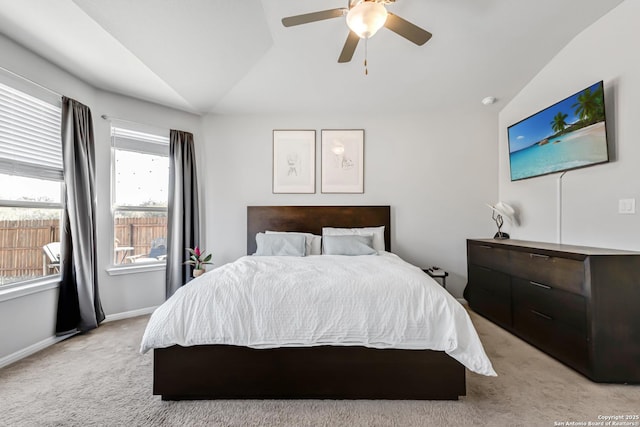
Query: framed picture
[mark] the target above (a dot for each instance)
(343, 161)
(294, 161)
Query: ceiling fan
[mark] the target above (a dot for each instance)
(364, 19)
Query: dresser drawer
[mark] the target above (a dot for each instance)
(563, 273)
(553, 337)
(488, 256)
(489, 293)
(493, 306)
(496, 282)
(561, 306)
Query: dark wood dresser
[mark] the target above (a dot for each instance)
(581, 305)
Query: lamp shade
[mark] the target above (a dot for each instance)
(366, 18)
(504, 210)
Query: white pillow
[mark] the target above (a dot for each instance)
(279, 245)
(349, 244)
(376, 232)
(313, 242)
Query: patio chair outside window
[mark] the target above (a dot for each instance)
(157, 252)
(51, 258)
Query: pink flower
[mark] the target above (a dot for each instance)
(198, 258)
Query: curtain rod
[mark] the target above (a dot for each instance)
(112, 119)
(31, 81)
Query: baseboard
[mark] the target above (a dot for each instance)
(129, 314)
(47, 342)
(28, 351)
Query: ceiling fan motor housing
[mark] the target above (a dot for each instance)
(366, 18)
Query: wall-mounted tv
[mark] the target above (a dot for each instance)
(569, 134)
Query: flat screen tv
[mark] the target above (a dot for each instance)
(570, 134)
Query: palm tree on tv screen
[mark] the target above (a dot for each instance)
(589, 106)
(559, 122)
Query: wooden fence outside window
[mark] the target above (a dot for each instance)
(22, 241)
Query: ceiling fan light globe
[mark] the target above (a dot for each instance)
(366, 18)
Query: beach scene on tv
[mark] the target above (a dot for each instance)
(568, 135)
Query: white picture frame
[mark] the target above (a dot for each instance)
(294, 161)
(342, 153)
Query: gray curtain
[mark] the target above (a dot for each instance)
(79, 307)
(183, 216)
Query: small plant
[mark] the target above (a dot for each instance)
(198, 258)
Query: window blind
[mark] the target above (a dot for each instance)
(127, 139)
(30, 140)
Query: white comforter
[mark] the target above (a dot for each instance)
(265, 302)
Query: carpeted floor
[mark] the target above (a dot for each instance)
(100, 379)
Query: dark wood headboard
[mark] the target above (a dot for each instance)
(311, 219)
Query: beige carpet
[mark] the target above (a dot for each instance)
(100, 379)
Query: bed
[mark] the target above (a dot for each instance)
(222, 371)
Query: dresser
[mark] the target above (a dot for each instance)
(580, 305)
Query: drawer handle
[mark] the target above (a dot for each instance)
(540, 285)
(485, 246)
(539, 256)
(484, 268)
(544, 316)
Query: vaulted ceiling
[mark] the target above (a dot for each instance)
(235, 56)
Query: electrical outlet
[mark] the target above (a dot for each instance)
(627, 206)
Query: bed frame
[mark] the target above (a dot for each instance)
(324, 372)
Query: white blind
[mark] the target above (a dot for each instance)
(142, 142)
(30, 141)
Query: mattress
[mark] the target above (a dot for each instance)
(378, 301)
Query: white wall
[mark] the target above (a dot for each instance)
(28, 320)
(607, 51)
(436, 169)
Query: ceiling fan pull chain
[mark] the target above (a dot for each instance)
(366, 70)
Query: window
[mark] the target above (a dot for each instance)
(31, 189)
(140, 182)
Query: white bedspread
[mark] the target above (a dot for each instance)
(265, 302)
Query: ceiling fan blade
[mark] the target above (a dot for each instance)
(349, 47)
(306, 18)
(407, 30)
